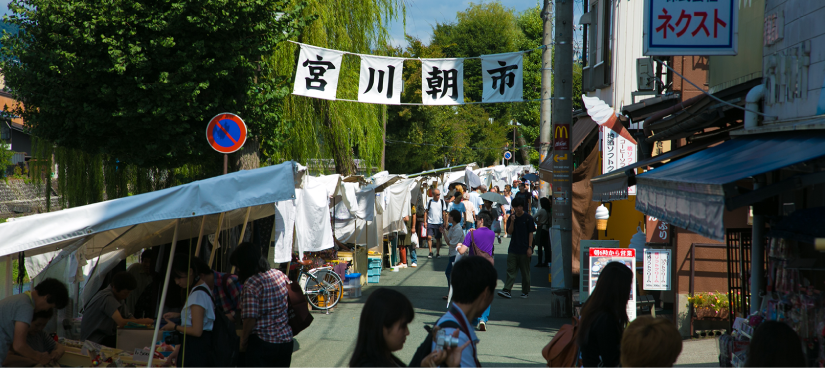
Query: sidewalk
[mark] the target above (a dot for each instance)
(699, 353)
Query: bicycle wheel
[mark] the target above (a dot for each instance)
(324, 289)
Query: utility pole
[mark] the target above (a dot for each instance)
(561, 300)
(546, 128)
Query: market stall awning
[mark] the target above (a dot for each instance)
(613, 185)
(692, 193)
(146, 220)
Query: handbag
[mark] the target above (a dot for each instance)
(297, 309)
(478, 251)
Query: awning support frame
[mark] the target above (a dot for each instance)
(757, 195)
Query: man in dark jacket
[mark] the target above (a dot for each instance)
(521, 227)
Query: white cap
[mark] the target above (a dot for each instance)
(602, 213)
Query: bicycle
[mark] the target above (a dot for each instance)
(322, 287)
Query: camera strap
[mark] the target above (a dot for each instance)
(461, 318)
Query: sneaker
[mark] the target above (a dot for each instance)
(430, 256)
(482, 326)
(505, 294)
(499, 239)
(414, 265)
(437, 256)
(524, 296)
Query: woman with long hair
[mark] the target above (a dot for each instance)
(604, 317)
(198, 316)
(383, 329)
(775, 344)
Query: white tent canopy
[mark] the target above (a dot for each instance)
(131, 223)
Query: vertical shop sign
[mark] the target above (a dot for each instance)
(617, 152)
(658, 231)
(600, 257)
(674, 28)
(657, 265)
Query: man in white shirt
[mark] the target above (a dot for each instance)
(436, 212)
(475, 197)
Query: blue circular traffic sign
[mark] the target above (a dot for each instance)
(508, 155)
(226, 132)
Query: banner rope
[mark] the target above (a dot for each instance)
(542, 47)
(440, 146)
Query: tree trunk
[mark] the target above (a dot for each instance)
(525, 153)
(248, 157)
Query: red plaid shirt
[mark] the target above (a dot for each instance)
(265, 299)
(227, 290)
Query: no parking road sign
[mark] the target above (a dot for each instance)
(226, 132)
(508, 155)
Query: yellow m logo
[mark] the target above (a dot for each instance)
(561, 131)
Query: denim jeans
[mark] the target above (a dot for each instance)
(484, 316)
(412, 257)
(449, 270)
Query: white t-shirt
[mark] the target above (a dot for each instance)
(198, 297)
(476, 200)
(435, 212)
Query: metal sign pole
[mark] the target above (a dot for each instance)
(561, 232)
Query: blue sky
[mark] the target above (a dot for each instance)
(422, 15)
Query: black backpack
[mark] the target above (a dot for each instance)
(426, 346)
(226, 345)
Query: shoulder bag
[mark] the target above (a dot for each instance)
(478, 251)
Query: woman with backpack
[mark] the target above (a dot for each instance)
(198, 317)
(383, 329)
(604, 317)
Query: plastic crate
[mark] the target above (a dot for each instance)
(374, 272)
(373, 279)
(375, 262)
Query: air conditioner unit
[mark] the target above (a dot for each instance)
(645, 76)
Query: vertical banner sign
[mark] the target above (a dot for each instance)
(317, 72)
(658, 231)
(442, 81)
(503, 78)
(674, 28)
(600, 257)
(657, 269)
(617, 152)
(380, 80)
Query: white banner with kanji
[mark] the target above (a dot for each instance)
(503, 77)
(442, 81)
(675, 28)
(617, 152)
(317, 72)
(381, 80)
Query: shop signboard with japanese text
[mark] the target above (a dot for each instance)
(600, 257)
(690, 27)
(617, 152)
(657, 264)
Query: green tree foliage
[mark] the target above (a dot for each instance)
(435, 136)
(138, 80)
(341, 130)
(5, 157)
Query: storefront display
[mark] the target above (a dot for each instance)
(792, 298)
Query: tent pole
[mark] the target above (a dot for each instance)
(163, 294)
(200, 237)
(243, 231)
(245, 221)
(217, 244)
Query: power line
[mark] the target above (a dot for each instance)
(442, 146)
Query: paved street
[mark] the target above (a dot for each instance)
(517, 331)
